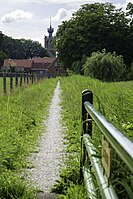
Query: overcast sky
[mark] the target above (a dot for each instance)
(30, 19)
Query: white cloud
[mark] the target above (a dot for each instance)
(47, 1)
(15, 16)
(123, 5)
(56, 1)
(65, 1)
(63, 14)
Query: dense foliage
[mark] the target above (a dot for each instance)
(95, 27)
(104, 66)
(19, 48)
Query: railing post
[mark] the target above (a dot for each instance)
(32, 78)
(24, 79)
(4, 83)
(27, 78)
(16, 75)
(86, 118)
(86, 126)
(20, 79)
(11, 82)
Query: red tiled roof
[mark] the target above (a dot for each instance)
(44, 60)
(40, 63)
(26, 63)
(43, 63)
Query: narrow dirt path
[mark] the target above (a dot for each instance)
(47, 161)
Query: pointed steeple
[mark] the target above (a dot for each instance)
(50, 29)
(48, 41)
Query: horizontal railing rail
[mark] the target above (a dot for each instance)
(122, 145)
(112, 137)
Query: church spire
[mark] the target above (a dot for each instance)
(50, 29)
(50, 21)
(48, 41)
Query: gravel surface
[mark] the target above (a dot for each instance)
(50, 152)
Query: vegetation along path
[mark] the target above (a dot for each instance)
(48, 159)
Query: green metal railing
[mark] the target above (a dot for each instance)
(112, 137)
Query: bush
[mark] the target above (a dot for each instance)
(104, 66)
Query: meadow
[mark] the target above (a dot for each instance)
(21, 121)
(114, 101)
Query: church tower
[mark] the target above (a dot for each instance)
(48, 41)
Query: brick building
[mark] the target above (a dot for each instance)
(47, 66)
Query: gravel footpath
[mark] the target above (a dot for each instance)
(50, 151)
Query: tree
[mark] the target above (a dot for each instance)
(22, 48)
(1, 40)
(2, 57)
(32, 49)
(77, 65)
(92, 28)
(104, 66)
(129, 12)
(66, 45)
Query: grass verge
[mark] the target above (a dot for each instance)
(21, 116)
(114, 100)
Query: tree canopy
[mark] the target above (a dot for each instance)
(95, 27)
(19, 48)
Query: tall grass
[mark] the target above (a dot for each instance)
(21, 116)
(114, 100)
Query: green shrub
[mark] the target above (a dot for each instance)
(104, 66)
